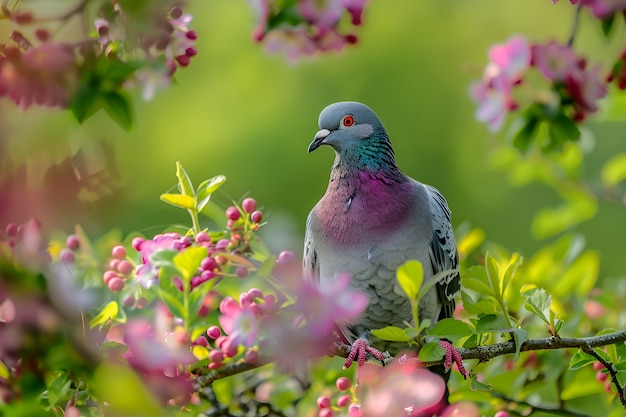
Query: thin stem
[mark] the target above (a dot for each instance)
(559, 411)
(570, 42)
(612, 371)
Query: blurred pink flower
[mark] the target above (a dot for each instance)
(324, 13)
(509, 62)
(45, 75)
(554, 61)
(604, 8)
(403, 388)
(293, 42)
(240, 323)
(586, 88)
(355, 8)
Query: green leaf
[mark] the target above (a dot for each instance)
(451, 329)
(391, 334)
(266, 267)
(492, 323)
(108, 312)
(124, 391)
(527, 128)
(410, 276)
(179, 200)
(118, 107)
(519, 336)
(614, 170)
(538, 302)
(580, 359)
(86, 101)
(206, 188)
(476, 385)
(516, 260)
(607, 24)
(483, 305)
(431, 352)
(188, 261)
(562, 129)
(493, 275)
(58, 389)
(184, 182)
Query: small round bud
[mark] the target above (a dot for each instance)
(108, 276)
(601, 376)
(343, 383)
(597, 366)
(214, 332)
(176, 12)
(208, 264)
(72, 242)
(251, 356)
(256, 216)
(216, 355)
(191, 51)
(203, 237)
(325, 412)
(501, 413)
(116, 284)
(67, 257)
(344, 400)
(125, 267)
(241, 271)
(137, 242)
(248, 205)
(201, 341)
(286, 256)
(183, 60)
(11, 229)
(192, 35)
(233, 213)
(129, 300)
(323, 401)
(118, 252)
(142, 302)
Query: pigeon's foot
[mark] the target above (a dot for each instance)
(359, 350)
(453, 355)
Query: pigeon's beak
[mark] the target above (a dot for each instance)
(318, 140)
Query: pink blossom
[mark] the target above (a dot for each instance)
(508, 64)
(554, 61)
(403, 388)
(293, 42)
(355, 8)
(261, 10)
(324, 14)
(45, 75)
(604, 8)
(240, 323)
(586, 88)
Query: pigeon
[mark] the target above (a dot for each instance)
(371, 220)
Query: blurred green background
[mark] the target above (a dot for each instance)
(241, 112)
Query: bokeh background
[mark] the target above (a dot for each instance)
(242, 112)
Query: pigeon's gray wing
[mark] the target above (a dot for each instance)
(310, 266)
(443, 253)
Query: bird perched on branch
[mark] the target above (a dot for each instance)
(372, 219)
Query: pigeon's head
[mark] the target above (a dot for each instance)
(346, 125)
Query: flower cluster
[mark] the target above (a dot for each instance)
(305, 27)
(572, 88)
(142, 46)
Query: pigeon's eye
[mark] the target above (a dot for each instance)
(347, 121)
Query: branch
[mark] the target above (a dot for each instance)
(570, 41)
(482, 353)
(609, 366)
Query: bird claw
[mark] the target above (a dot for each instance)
(453, 355)
(359, 350)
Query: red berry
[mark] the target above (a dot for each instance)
(597, 366)
(72, 242)
(116, 284)
(343, 383)
(344, 400)
(601, 376)
(607, 387)
(256, 216)
(125, 267)
(323, 401)
(118, 252)
(214, 332)
(248, 205)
